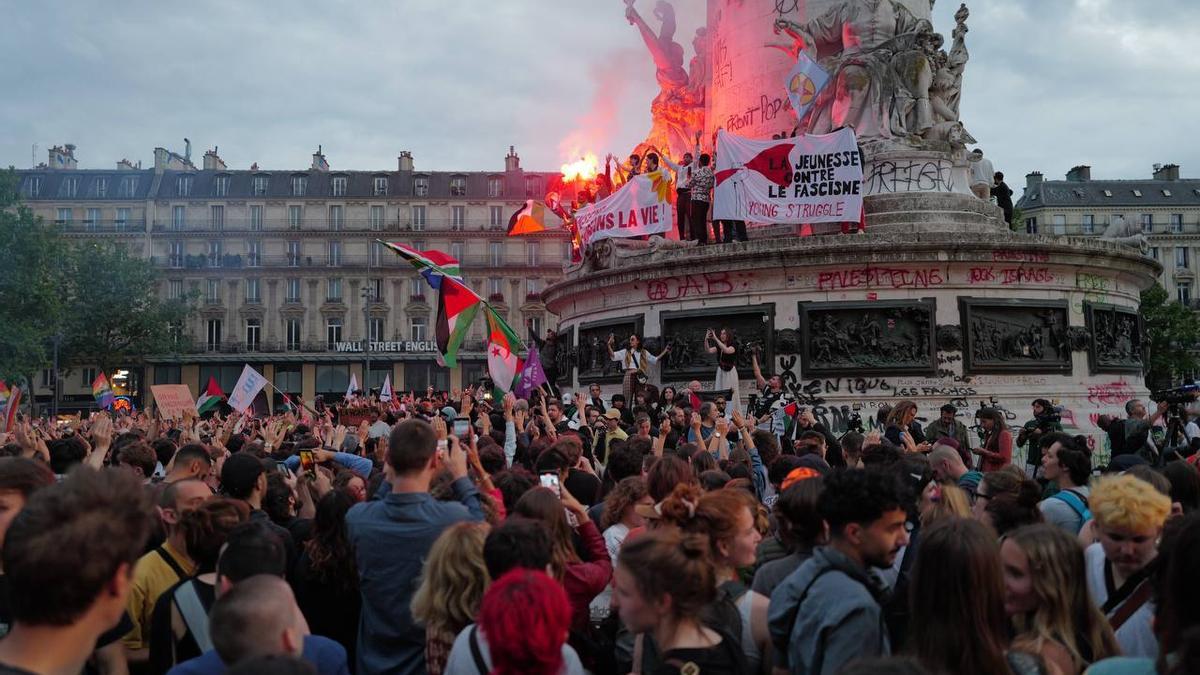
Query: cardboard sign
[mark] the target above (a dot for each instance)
(173, 400)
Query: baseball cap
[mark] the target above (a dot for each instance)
(239, 474)
(613, 414)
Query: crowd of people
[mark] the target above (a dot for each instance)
(639, 532)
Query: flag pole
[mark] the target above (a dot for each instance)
(289, 398)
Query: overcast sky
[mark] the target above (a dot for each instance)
(1050, 84)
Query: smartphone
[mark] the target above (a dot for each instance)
(307, 464)
(550, 481)
(462, 426)
(441, 449)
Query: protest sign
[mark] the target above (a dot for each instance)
(642, 206)
(248, 385)
(173, 400)
(807, 179)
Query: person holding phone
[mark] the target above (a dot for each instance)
(725, 347)
(635, 362)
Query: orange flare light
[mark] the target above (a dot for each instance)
(585, 168)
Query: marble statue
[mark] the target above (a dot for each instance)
(1121, 231)
(678, 110)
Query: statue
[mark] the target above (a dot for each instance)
(1120, 231)
(890, 78)
(678, 110)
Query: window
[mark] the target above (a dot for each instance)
(495, 286)
(1183, 293)
(335, 253)
(533, 249)
(292, 290)
(333, 290)
(533, 286)
(458, 187)
(253, 334)
(213, 291)
(1147, 220)
(221, 186)
(253, 290)
(416, 328)
(213, 342)
(68, 187)
(174, 289)
(293, 253)
(122, 221)
(178, 217)
(421, 186)
(1177, 222)
(214, 254)
(88, 376)
(495, 187)
(375, 329)
(533, 186)
(1166, 193)
(288, 379)
(337, 218)
(101, 187)
(418, 376)
(418, 218)
(1031, 226)
(1089, 223)
(376, 254)
(333, 332)
(164, 374)
(1181, 257)
(183, 186)
(496, 251)
(47, 377)
(337, 186)
(299, 186)
(295, 216)
(129, 187)
(375, 289)
(33, 186)
(418, 244)
(1154, 252)
(1060, 224)
(256, 218)
(175, 254)
(292, 334)
(418, 290)
(458, 216)
(258, 185)
(495, 216)
(1137, 193)
(216, 217)
(535, 324)
(456, 251)
(64, 216)
(380, 186)
(91, 219)
(333, 379)
(376, 218)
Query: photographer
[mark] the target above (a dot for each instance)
(1046, 420)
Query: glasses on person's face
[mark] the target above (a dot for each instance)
(720, 401)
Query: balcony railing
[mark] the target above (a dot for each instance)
(315, 225)
(101, 226)
(237, 261)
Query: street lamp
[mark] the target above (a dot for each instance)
(367, 295)
(57, 339)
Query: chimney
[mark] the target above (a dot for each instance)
(319, 162)
(161, 157)
(1080, 173)
(405, 161)
(1032, 180)
(213, 161)
(1166, 172)
(511, 161)
(63, 157)
(125, 165)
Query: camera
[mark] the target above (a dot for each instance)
(854, 423)
(1177, 396)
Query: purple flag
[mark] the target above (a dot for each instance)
(532, 376)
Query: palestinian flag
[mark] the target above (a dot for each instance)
(504, 361)
(457, 305)
(531, 218)
(433, 265)
(211, 398)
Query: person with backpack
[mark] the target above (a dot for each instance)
(828, 612)
(1067, 462)
(730, 519)
(1129, 515)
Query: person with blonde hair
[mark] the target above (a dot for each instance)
(902, 428)
(1129, 515)
(452, 586)
(943, 501)
(1046, 598)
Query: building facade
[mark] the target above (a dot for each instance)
(287, 269)
(1164, 207)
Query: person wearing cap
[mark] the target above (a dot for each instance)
(244, 477)
(612, 433)
(947, 426)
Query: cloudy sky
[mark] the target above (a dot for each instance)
(1051, 83)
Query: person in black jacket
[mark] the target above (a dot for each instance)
(1003, 195)
(547, 354)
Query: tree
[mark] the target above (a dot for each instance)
(1017, 224)
(31, 285)
(1172, 331)
(114, 314)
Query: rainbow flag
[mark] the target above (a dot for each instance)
(102, 392)
(10, 400)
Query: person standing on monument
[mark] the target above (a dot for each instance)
(982, 175)
(1003, 195)
(683, 194)
(635, 362)
(725, 347)
(701, 188)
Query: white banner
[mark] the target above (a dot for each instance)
(642, 206)
(247, 387)
(807, 179)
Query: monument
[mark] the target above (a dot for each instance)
(938, 302)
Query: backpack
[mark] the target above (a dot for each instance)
(1076, 501)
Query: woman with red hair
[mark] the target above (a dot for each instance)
(522, 630)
